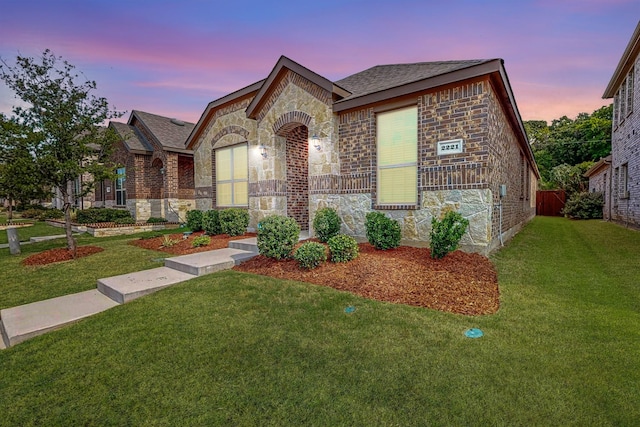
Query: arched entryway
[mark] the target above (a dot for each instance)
(297, 172)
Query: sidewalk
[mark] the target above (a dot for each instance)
(20, 323)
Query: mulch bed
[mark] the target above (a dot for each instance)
(59, 255)
(184, 246)
(459, 283)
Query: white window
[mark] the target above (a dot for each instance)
(232, 176)
(121, 191)
(624, 181)
(629, 100)
(397, 147)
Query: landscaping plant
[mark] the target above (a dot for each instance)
(326, 224)
(234, 221)
(446, 234)
(211, 222)
(584, 205)
(277, 235)
(96, 215)
(310, 255)
(167, 241)
(343, 248)
(194, 220)
(201, 241)
(382, 232)
(156, 220)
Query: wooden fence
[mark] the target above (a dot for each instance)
(550, 202)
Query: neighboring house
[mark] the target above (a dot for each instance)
(625, 139)
(79, 202)
(156, 176)
(410, 140)
(600, 181)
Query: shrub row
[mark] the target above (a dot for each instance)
(42, 214)
(232, 221)
(95, 215)
(584, 205)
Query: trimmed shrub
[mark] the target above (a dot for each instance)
(446, 234)
(234, 221)
(201, 241)
(310, 255)
(51, 214)
(96, 215)
(124, 220)
(211, 222)
(156, 220)
(382, 232)
(326, 224)
(277, 235)
(584, 205)
(31, 213)
(194, 220)
(343, 248)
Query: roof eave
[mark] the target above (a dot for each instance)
(626, 62)
(420, 85)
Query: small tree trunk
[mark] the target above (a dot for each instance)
(66, 207)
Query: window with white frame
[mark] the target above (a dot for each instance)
(624, 181)
(397, 150)
(629, 99)
(232, 176)
(121, 191)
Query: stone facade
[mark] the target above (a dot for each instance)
(318, 157)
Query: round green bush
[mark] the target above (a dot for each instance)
(201, 241)
(234, 221)
(382, 232)
(326, 224)
(277, 235)
(446, 234)
(310, 255)
(211, 222)
(343, 248)
(584, 205)
(194, 220)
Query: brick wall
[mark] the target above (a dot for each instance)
(625, 150)
(298, 176)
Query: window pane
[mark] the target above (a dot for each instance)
(240, 193)
(240, 167)
(397, 136)
(398, 186)
(223, 164)
(223, 195)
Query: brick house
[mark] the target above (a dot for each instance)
(600, 181)
(625, 139)
(156, 176)
(410, 140)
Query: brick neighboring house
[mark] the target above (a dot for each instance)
(600, 181)
(156, 179)
(625, 139)
(410, 140)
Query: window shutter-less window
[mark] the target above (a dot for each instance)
(232, 176)
(397, 144)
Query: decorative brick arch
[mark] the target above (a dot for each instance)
(289, 121)
(229, 130)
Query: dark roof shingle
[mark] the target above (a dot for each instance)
(131, 137)
(170, 133)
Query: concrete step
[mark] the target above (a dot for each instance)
(45, 238)
(203, 263)
(127, 287)
(30, 320)
(249, 244)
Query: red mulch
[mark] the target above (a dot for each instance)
(184, 246)
(459, 283)
(59, 255)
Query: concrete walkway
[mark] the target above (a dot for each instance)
(20, 323)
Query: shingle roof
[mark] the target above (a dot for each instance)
(383, 77)
(132, 138)
(170, 133)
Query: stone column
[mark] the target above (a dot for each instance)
(14, 241)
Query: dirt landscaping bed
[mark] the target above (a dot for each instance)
(184, 246)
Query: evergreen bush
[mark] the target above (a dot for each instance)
(97, 215)
(129, 220)
(382, 232)
(343, 248)
(194, 220)
(156, 220)
(277, 235)
(584, 205)
(50, 214)
(234, 221)
(446, 234)
(310, 255)
(201, 241)
(211, 222)
(326, 224)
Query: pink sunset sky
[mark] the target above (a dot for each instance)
(173, 57)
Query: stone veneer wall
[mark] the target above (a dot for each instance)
(625, 149)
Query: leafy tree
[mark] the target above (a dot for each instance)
(63, 119)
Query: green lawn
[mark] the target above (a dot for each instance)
(239, 349)
(40, 228)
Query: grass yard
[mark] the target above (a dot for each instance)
(40, 228)
(238, 349)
